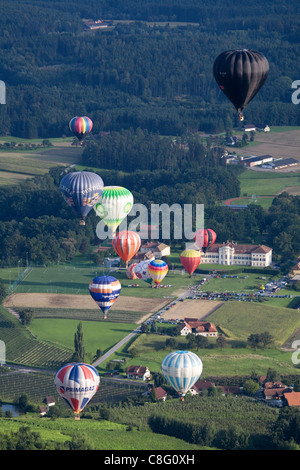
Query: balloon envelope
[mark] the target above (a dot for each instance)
(190, 260)
(126, 244)
(182, 369)
(77, 383)
(115, 204)
(158, 269)
(240, 74)
(81, 126)
(81, 190)
(105, 290)
(130, 271)
(142, 272)
(205, 238)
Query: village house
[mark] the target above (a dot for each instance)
(197, 327)
(292, 399)
(200, 386)
(235, 254)
(249, 128)
(161, 394)
(138, 373)
(158, 249)
(275, 390)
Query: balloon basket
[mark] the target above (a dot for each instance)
(77, 417)
(82, 222)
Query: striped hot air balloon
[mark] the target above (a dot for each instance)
(205, 238)
(81, 126)
(115, 204)
(77, 383)
(158, 270)
(182, 369)
(190, 260)
(130, 271)
(126, 244)
(105, 290)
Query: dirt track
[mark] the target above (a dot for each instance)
(134, 304)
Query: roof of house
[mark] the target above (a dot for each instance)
(193, 323)
(137, 370)
(239, 248)
(202, 385)
(292, 398)
(160, 393)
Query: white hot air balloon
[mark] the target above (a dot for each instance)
(182, 369)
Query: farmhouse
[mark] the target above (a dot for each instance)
(138, 372)
(234, 254)
(200, 386)
(197, 327)
(249, 127)
(95, 24)
(292, 399)
(158, 249)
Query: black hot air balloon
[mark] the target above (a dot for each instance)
(240, 74)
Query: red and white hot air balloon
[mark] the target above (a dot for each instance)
(77, 383)
(126, 244)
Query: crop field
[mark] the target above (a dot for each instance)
(279, 143)
(17, 165)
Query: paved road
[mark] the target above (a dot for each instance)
(116, 347)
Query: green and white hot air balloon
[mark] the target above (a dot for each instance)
(115, 204)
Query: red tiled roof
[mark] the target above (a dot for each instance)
(292, 398)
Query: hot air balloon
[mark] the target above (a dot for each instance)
(240, 74)
(205, 238)
(158, 269)
(142, 272)
(130, 271)
(182, 369)
(105, 290)
(126, 244)
(115, 204)
(81, 190)
(77, 383)
(190, 260)
(81, 126)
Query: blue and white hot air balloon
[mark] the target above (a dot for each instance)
(81, 190)
(182, 369)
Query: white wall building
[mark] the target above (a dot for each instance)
(239, 255)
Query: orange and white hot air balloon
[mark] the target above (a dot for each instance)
(126, 244)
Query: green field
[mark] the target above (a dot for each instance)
(266, 183)
(97, 335)
(101, 435)
(19, 164)
(68, 279)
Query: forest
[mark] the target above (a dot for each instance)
(137, 74)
